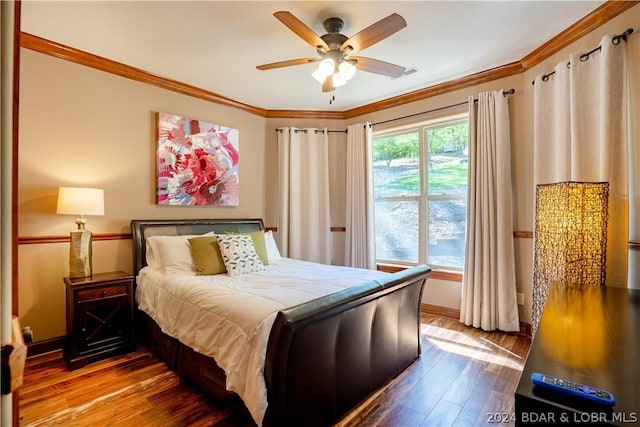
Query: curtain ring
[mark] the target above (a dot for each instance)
(584, 57)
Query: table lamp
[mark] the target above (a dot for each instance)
(81, 202)
(570, 237)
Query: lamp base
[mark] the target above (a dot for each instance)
(80, 254)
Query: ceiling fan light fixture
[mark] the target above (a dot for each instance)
(326, 66)
(347, 69)
(338, 80)
(319, 75)
(335, 68)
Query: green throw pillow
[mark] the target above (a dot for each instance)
(259, 245)
(206, 255)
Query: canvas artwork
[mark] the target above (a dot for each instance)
(197, 163)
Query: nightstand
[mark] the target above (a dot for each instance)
(99, 317)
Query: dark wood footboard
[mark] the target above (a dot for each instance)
(326, 356)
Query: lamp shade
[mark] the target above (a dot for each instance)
(326, 66)
(338, 80)
(80, 201)
(347, 69)
(570, 237)
(319, 75)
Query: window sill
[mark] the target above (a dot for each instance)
(441, 274)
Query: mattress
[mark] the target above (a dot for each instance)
(229, 318)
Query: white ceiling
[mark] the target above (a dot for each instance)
(216, 45)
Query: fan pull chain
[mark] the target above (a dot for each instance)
(332, 98)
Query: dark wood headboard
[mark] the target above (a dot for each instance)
(143, 228)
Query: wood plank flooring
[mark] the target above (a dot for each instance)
(463, 377)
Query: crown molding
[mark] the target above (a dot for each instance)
(304, 114)
(599, 16)
(439, 89)
(87, 59)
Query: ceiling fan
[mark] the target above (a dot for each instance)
(335, 49)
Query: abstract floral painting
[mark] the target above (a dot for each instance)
(197, 162)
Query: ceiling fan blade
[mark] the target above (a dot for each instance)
(288, 63)
(304, 32)
(327, 85)
(374, 33)
(378, 67)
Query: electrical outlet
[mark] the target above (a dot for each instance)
(520, 296)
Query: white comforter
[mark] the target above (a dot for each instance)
(229, 318)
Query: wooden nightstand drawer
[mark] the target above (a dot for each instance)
(99, 317)
(93, 294)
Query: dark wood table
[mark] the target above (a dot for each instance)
(590, 335)
(99, 317)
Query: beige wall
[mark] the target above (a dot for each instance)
(83, 127)
(79, 126)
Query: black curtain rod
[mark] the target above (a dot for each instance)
(435, 110)
(316, 130)
(504, 93)
(585, 56)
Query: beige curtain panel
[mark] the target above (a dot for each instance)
(489, 299)
(303, 195)
(360, 236)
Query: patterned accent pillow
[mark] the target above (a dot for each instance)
(239, 254)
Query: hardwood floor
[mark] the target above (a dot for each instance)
(463, 377)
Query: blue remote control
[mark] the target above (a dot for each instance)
(581, 391)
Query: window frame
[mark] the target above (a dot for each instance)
(423, 196)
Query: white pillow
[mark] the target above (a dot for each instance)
(273, 253)
(239, 254)
(171, 254)
(152, 259)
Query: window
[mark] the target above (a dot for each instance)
(420, 190)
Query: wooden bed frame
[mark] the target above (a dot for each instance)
(324, 357)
